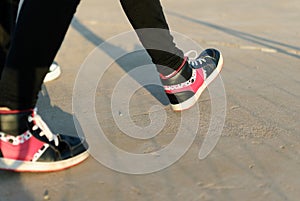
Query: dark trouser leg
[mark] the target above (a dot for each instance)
(8, 13)
(37, 36)
(157, 40)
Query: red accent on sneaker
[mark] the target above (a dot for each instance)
(15, 111)
(175, 72)
(23, 151)
(193, 84)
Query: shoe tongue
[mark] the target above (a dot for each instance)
(14, 122)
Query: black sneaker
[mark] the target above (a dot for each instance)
(28, 145)
(184, 86)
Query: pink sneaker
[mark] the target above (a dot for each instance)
(28, 145)
(184, 86)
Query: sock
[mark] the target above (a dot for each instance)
(14, 122)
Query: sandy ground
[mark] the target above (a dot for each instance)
(258, 154)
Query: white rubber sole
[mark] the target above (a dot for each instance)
(54, 72)
(191, 101)
(27, 166)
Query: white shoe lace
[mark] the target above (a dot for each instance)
(45, 131)
(193, 61)
(188, 54)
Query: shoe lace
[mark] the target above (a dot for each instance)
(45, 130)
(193, 61)
(197, 62)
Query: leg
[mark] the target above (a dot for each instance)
(8, 13)
(26, 142)
(183, 80)
(147, 18)
(33, 47)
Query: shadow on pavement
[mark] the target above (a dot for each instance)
(12, 187)
(242, 35)
(140, 58)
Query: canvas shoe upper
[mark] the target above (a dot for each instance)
(184, 86)
(27, 144)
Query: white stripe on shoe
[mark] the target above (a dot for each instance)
(28, 166)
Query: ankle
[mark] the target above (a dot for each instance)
(174, 72)
(14, 122)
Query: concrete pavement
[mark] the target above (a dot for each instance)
(257, 156)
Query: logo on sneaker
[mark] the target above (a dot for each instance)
(182, 85)
(15, 140)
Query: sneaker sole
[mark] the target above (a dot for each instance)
(28, 166)
(191, 101)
